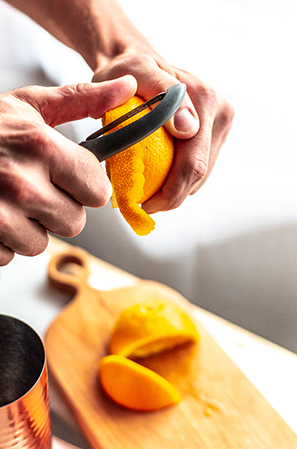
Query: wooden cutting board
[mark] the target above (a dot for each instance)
(220, 408)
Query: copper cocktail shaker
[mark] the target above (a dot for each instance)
(24, 401)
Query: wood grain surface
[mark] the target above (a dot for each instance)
(220, 408)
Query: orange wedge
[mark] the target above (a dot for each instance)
(134, 386)
(151, 327)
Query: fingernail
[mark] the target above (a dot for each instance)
(184, 121)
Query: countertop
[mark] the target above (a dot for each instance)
(26, 294)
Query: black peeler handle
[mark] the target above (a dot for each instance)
(110, 144)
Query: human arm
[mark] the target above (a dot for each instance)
(100, 31)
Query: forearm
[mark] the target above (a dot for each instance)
(98, 30)
(102, 34)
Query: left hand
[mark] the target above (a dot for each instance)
(200, 126)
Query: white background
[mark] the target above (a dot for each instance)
(231, 248)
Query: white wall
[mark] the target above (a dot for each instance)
(232, 247)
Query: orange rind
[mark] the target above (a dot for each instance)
(140, 171)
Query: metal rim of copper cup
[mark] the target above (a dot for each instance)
(24, 400)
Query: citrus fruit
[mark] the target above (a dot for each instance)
(134, 386)
(140, 171)
(151, 327)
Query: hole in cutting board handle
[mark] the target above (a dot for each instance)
(71, 264)
(68, 271)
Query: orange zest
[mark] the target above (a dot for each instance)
(139, 172)
(134, 386)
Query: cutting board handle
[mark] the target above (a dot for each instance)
(69, 270)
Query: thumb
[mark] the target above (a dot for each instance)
(184, 124)
(63, 104)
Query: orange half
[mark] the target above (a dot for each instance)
(151, 327)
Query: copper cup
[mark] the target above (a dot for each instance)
(24, 401)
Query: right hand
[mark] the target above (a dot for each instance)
(46, 179)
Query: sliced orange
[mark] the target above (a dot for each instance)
(137, 173)
(134, 386)
(151, 327)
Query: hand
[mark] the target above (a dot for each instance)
(200, 126)
(45, 179)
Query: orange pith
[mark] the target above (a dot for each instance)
(137, 173)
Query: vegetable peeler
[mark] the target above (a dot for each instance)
(105, 146)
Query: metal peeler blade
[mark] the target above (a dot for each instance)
(105, 146)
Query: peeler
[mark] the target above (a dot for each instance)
(105, 146)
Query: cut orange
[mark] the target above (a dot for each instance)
(151, 327)
(137, 173)
(134, 386)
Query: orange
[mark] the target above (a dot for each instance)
(135, 386)
(137, 173)
(151, 327)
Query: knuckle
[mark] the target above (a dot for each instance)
(81, 88)
(39, 137)
(198, 171)
(130, 63)
(40, 245)
(6, 255)
(72, 225)
(207, 94)
(101, 196)
(36, 245)
(32, 141)
(22, 192)
(136, 60)
(192, 175)
(11, 182)
(5, 223)
(226, 115)
(33, 242)
(170, 202)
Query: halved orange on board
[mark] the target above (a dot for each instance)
(134, 386)
(151, 327)
(142, 330)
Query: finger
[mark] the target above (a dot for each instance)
(221, 128)
(61, 162)
(76, 170)
(59, 105)
(191, 157)
(184, 124)
(18, 234)
(58, 213)
(152, 80)
(190, 166)
(32, 196)
(6, 255)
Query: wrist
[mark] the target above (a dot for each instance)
(109, 34)
(114, 36)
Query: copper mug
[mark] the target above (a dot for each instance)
(24, 400)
